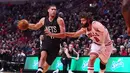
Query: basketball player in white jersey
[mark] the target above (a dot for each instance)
(102, 45)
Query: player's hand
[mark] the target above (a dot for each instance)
(23, 24)
(47, 32)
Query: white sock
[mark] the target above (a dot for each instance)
(90, 70)
(40, 69)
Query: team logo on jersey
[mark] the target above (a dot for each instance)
(92, 34)
(51, 29)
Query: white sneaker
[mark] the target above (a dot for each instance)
(56, 71)
(70, 71)
(2, 69)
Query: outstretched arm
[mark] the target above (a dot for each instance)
(76, 34)
(37, 25)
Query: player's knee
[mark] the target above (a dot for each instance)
(91, 61)
(102, 66)
(93, 57)
(43, 55)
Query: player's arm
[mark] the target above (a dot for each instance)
(37, 25)
(62, 29)
(76, 34)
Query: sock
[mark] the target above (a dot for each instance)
(90, 69)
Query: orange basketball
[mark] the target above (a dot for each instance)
(23, 24)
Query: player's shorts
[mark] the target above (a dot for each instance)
(103, 55)
(52, 51)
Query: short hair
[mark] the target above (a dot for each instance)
(51, 6)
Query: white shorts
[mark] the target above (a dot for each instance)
(104, 55)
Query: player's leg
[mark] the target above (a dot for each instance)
(52, 53)
(102, 67)
(45, 66)
(104, 56)
(42, 61)
(91, 62)
(93, 55)
(49, 60)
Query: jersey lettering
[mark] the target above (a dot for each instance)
(52, 29)
(94, 35)
(96, 39)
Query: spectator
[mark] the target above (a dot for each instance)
(123, 51)
(118, 44)
(128, 52)
(114, 52)
(106, 11)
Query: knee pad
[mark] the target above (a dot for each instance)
(102, 66)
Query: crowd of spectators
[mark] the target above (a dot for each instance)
(14, 41)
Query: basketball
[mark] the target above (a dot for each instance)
(23, 24)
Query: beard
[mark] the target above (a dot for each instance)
(85, 25)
